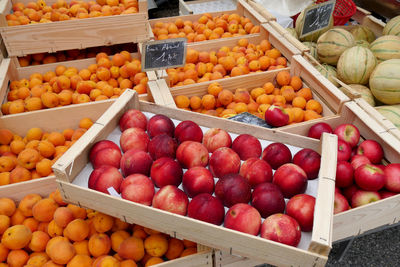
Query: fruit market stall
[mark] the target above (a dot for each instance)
(73, 172)
(36, 219)
(51, 26)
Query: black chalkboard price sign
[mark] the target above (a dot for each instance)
(317, 17)
(164, 54)
(250, 119)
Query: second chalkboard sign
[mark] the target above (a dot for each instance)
(164, 54)
(317, 17)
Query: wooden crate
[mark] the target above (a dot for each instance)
(371, 111)
(56, 119)
(266, 33)
(72, 34)
(243, 9)
(10, 72)
(384, 212)
(204, 256)
(362, 17)
(331, 98)
(69, 167)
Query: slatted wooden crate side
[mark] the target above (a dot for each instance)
(382, 120)
(58, 120)
(261, 10)
(73, 34)
(243, 9)
(9, 72)
(384, 212)
(266, 33)
(75, 159)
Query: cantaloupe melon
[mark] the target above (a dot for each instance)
(384, 82)
(313, 49)
(362, 43)
(293, 32)
(328, 72)
(391, 113)
(362, 90)
(386, 47)
(363, 33)
(355, 65)
(392, 27)
(312, 37)
(332, 44)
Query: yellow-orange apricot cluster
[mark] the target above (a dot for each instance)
(40, 12)
(106, 79)
(73, 54)
(206, 27)
(47, 232)
(244, 58)
(31, 156)
(286, 91)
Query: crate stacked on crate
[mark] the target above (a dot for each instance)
(364, 28)
(314, 99)
(40, 208)
(223, 58)
(73, 171)
(67, 27)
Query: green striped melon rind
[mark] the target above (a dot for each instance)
(292, 32)
(312, 37)
(332, 44)
(364, 92)
(384, 82)
(363, 33)
(392, 27)
(362, 43)
(328, 72)
(355, 65)
(386, 47)
(313, 49)
(392, 113)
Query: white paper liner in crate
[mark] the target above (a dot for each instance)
(312, 187)
(212, 6)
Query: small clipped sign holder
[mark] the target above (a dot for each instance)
(164, 54)
(317, 17)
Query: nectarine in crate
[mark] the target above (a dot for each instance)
(73, 170)
(369, 217)
(13, 75)
(47, 188)
(229, 57)
(74, 31)
(329, 97)
(244, 20)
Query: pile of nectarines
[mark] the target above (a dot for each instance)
(48, 232)
(106, 79)
(73, 54)
(241, 59)
(40, 12)
(286, 91)
(31, 157)
(206, 27)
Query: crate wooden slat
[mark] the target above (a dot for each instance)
(243, 9)
(266, 33)
(330, 97)
(48, 120)
(263, 11)
(72, 34)
(9, 72)
(44, 186)
(70, 165)
(384, 212)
